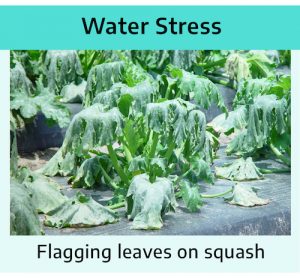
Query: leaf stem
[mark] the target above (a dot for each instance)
(217, 195)
(280, 156)
(126, 150)
(117, 205)
(115, 162)
(170, 149)
(274, 170)
(108, 178)
(154, 144)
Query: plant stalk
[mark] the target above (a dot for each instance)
(154, 144)
(108, 178)
(280, 156)
(117, 205)
(115, 162)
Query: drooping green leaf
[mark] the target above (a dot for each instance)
(183, 59)
(260, 65)
(101, 78)
(62, 67)
(19, 80)
(239, 170)
(198, 88)
(245, 197)
(147, 202)
(78, 212)
(200, 170)
(177, 118)
(43, 101)
(191, 196)
(23, 216)
(91, 128)
(266, 115)
(89, 174)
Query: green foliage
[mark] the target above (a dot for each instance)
(245, 197)
(23, 216)
(101, 78)
(147, 202)
(191, 196)
(239, 170)
(80, 211)
(62, 67)
(142, 131)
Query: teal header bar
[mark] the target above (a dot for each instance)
(61, 27)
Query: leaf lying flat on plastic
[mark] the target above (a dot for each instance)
(44, 191)
(147, 202)
(45, 196)
(78, 212)
(23, 216)
(239, 170)
(246, 197)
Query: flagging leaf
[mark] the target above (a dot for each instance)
(236, 120)
(89, 173)
(62, 67)
(245, 197)
(19, 80)
(91, 128)
(45, 102)
(266, 115)
(101, 78)
(198, 88)
(147, 202)
(177, 118)
(78, 212)
(239, 170)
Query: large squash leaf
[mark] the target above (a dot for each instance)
(80, 211)
(239, 170)
(62, 67)
(178, 118)
(92, 127)
(44, 191)
(245, 197)
(23, 216)
(265, 116)
(198, 88)
(147, 202)
(101, 78)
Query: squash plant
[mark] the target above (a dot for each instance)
(142, 131)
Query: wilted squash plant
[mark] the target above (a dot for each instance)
(143, 133)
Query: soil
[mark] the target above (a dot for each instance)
(37, 159)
